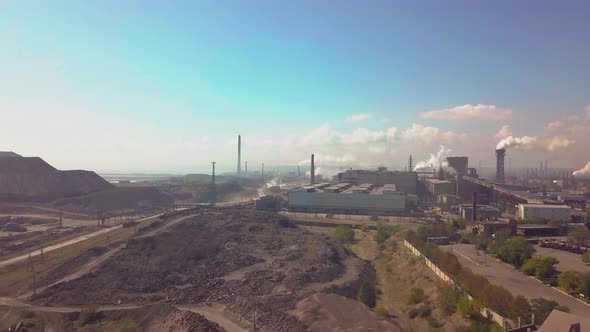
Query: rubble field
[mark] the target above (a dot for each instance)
(258, 265)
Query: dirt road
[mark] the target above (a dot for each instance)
(66, 243)
(514, 281)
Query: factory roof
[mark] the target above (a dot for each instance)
(348, 188)
(535, 226)
(438, 181)
(546, 206)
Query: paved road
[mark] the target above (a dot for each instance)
(514, 281)
(567, 260)
(66, 243)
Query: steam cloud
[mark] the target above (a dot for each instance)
(435, 160)
(584, 171)
(528, 142)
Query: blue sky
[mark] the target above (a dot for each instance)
(166, 86)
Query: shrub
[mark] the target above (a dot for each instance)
(586, 258)
(448, 296)
(542, 308)
(416, 295)
(384, 232)
(468, 308)
(382, 311)
(364, 228)
(413, 313)
(543, 268)
(366, 294)
(343, 234)
(424, 311)
(515, 250)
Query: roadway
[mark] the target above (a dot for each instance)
(514, 281)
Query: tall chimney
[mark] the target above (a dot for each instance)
(214, 190)
(312, 180)
(262, 172)
(239, 171)
(298, 171)
(246, 168)
(500, 154)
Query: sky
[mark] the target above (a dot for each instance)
(166, 86)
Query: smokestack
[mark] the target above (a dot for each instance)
(213, 173)
(312, 180)
(239, 171)
(410, 165)
(262, 172)
(500, 154)
(214, 190)
(298, 171)
(474, 214)
(246, 168)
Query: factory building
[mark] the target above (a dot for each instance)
(440, 187)
(484, 212)
(548, 212)
(346, 198)
(404, 181)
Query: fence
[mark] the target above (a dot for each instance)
(486, 312)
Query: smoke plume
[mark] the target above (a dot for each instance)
(584, 171)
(435, 160)
(528, 143)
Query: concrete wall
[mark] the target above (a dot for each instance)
(341, 202)
(488, 313)
(544, 211)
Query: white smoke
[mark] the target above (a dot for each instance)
(526, 142)
(584, 171)
(531, 142)
(435, 160)
(329, 160)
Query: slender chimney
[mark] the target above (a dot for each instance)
(500, 154)
(312, 179)
(262, 172)
(298, 171)
(474, 214)
(246, 168)
(239, 171)
(214, 191)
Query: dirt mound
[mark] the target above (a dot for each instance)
(117, 198)
(32, 179)
(331, 312)
(158, 318)
(255, 263)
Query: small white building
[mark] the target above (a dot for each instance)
(548, 212)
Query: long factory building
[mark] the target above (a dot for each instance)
(346, 198)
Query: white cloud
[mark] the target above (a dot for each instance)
(504, 132)
(429, 135)
(359, 117)
(322, 135)
(468, 111)
(363, 136)
(555, 125)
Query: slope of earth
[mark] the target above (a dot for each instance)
(331, 312)
(117, 198)
(32, 179)
(257, 264)
(148, 318)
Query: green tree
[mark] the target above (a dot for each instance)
(586, 258)
(584, 286)
(570, 280)
(384, 232)
(515, 250)
(542, 308)
(343, 234)
(543, 268)
(580, 235)
(520, 307)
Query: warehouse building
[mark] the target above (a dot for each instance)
(404, 181)
(547, 212)
(484, 212)
(346, 198)
(440, 187)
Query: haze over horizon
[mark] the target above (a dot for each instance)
(167, 87)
